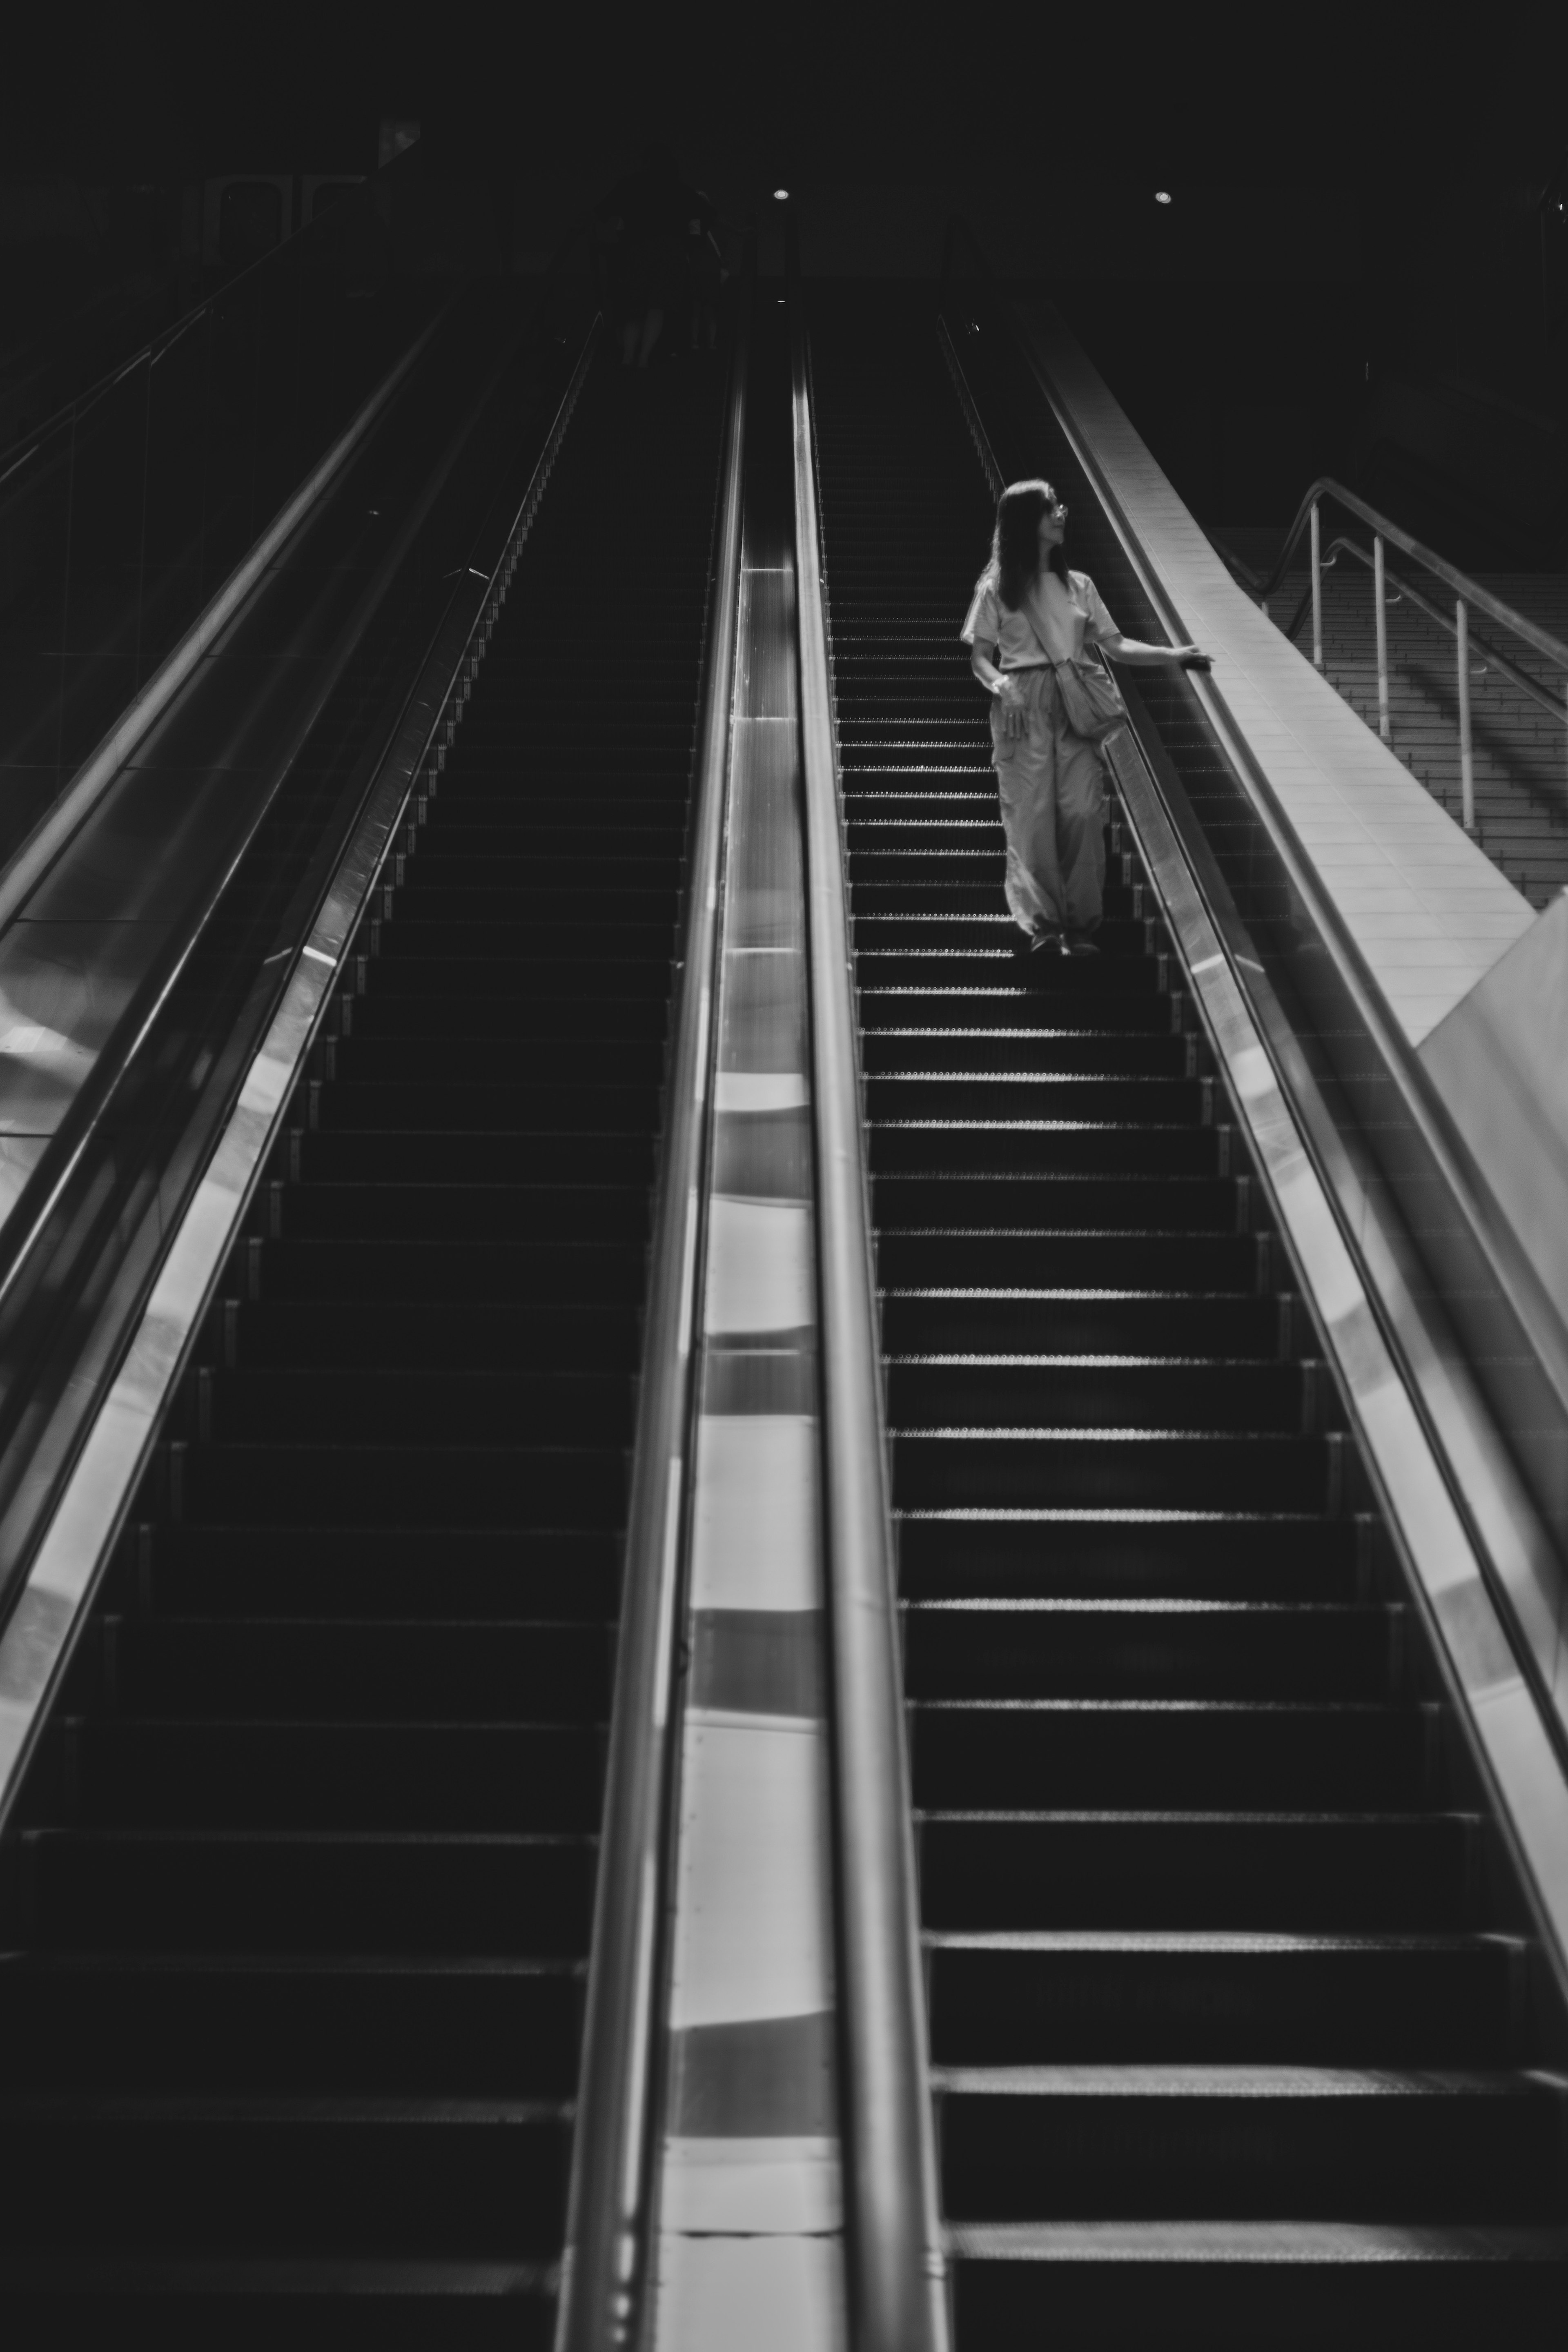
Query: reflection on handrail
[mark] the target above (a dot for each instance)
(606, 2266)
(894, 2253)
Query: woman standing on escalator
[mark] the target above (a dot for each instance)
(1029, 620)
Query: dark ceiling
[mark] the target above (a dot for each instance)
(1222, 95)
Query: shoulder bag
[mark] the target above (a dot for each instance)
(1090, 695)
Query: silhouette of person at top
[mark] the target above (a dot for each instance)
(656, 234)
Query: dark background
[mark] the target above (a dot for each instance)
(1362, 270)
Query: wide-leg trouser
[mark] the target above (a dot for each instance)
(1052, 787)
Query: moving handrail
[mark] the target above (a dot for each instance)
(895, 2263)
(606, 2266)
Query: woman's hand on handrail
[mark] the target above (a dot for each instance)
(1139, 655)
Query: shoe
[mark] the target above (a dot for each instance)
(1045, 943)
(1078, 946)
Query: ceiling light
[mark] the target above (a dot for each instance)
(781, 195)
(1162, 195)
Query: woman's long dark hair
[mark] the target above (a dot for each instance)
(1016, 543)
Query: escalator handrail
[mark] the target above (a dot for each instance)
(894, 2251)
(606, 2266)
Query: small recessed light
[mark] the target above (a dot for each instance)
(781, 195)
(1162, 195)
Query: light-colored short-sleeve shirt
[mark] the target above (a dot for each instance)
(1066, 616)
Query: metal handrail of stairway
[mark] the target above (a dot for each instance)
(607, 2267)
(1467, 593)
(894, 2253)
(1469, 590)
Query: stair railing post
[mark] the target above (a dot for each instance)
(1466, 757)
(1317, 589)
(1383, 729)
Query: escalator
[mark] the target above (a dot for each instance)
(1233, 2028)
(299, 1891)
